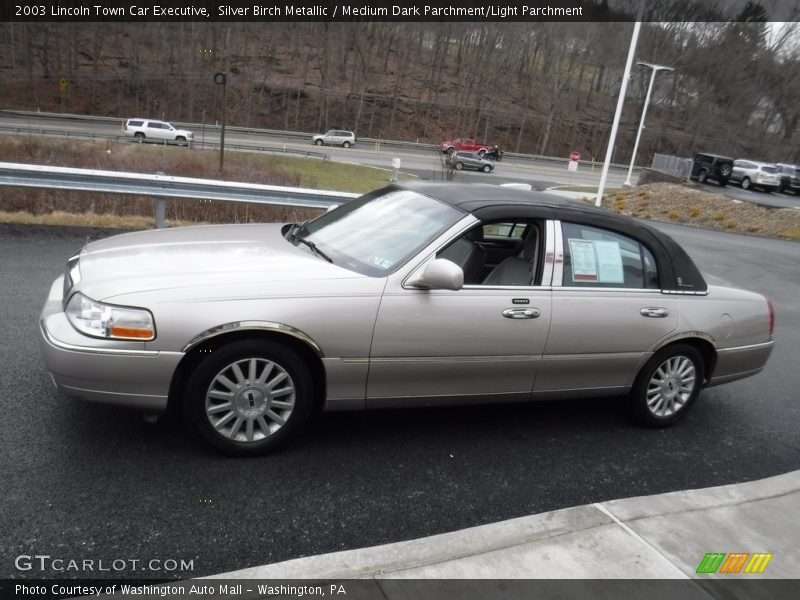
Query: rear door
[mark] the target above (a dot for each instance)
(608, 312)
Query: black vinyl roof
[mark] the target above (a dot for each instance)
(487, 202)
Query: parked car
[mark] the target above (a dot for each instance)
(417, 294)
(142, 129)
(335, 137)
(707, 166)
(469, 160)
(752, 174)
(466, 145)
(790, 178)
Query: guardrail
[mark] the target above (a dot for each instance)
(165, 186)
(294, 135)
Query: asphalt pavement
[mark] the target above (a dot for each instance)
(88, 481)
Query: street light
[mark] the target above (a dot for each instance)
(222, 79)
(656, 68)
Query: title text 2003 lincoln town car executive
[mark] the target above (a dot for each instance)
(420, 294)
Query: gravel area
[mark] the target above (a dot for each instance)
(681, 204)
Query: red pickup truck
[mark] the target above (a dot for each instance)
(465, 145)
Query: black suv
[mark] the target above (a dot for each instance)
(712, 166)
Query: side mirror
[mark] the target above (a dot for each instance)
(439, 274)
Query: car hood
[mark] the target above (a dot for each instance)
(206, 262)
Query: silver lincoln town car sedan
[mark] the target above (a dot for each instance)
(415, 294)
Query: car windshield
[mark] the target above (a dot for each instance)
(378, 232)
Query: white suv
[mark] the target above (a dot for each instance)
(335, 137)
(142, 129)
(750, 174)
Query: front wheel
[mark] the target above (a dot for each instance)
(139, 136)
(667, 386)
(249, 397)
(181, 140)
(459, 166)
(318, 142)
(746, 183)
(486, 168)
(346, 145)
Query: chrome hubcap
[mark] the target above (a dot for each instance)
(250, 399)
(671, 386)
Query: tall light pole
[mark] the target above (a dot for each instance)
(620, 102)
(656, 69)
(222, 79)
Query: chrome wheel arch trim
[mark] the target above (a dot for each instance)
(268, 326)
(686, 335)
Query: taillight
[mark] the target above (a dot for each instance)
(771, 317)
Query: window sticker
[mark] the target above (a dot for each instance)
(609, 260)
(380, 262)
(584, 263)
(596, 261)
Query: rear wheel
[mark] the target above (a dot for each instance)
(318, 142)
(139, 136)
(725, 171)
(180, 139)
(346, 145)
(459, 166)
(746, 183)
(249, 397)
(667, 386)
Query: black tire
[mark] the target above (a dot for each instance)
(139, 136)
(318, 142)
(249, 396)
(647, 385)
(459, 166)
(725, 171)
(746, 183)
(180, 139)
(722, 182)
(346, 145)
(451, 151)
(702, 176)
(487, 168)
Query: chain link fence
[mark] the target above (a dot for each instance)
(674, 165)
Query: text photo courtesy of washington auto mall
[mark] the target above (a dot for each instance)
(400, 300)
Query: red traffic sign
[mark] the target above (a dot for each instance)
(575, 155)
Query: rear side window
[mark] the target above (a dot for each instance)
(135, 123)
(595, 257)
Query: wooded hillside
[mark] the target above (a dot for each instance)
(544, 88)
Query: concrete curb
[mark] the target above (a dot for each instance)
(663, 536)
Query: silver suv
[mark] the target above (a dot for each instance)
(750, 174)
(142, 129)
(335, 137)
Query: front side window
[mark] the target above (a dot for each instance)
(378, 232)
(596, 257)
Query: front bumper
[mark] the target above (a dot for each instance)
(122, 373)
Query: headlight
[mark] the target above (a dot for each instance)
(110, 322)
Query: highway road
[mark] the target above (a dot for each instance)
(423, 163)
(84, 481)
(427, 164)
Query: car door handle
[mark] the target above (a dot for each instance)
(655, 313)
(521, 313)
